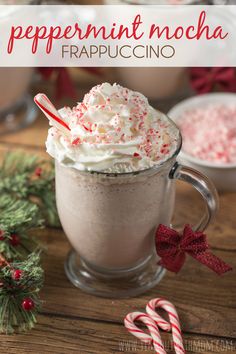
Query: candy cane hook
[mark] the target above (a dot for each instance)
(173, 325)
(51, 113)
(154, 338)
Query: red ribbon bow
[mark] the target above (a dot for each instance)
(204, 80)
(172, 247)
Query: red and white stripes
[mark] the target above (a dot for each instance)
(154, 338)
(51, 113)
(154, 321)
(173, 325)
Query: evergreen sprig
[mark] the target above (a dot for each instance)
(27, 202)
(26, 177)
(17, 292)
(17, 218)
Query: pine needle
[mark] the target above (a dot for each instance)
(27, 202)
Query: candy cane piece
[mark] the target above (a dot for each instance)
(51, 113)
(173, 325)
(154, 337)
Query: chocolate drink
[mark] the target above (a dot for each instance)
(110, 221)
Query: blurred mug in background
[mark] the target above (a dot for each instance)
(147, 79)
(16, 109)
(14, 83)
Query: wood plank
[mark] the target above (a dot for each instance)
(32, 136)
(196, 291)
(206, 302)
(9, 147)
(54, 334)
(190, 208)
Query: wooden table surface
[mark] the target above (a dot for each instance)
(74, 322)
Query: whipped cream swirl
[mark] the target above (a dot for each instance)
(113, 130)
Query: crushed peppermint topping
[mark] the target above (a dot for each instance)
(116, 126)
(209, 133)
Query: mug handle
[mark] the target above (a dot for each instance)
(204, 186)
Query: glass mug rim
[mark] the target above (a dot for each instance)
(156, 167)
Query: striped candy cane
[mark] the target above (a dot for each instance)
(51, 113)
(154, 338)
(173, 325)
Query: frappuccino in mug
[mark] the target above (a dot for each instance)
(115, 183)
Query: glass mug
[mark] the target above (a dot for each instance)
(110, 220)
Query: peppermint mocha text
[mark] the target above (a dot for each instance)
(49, 34)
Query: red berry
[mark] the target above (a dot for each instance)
(14, 239)
(136, 154)
(1, 235)
(16, 274)
(38, 171)
(27, 304)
